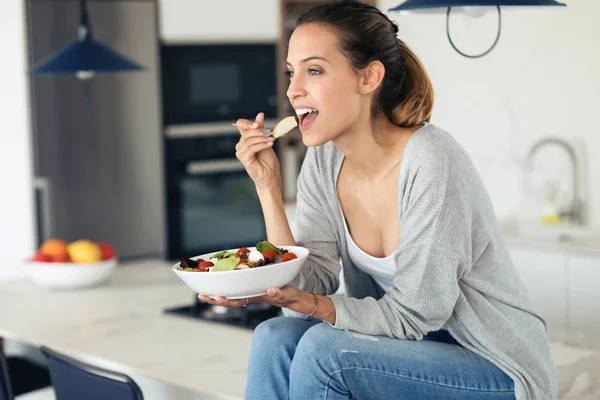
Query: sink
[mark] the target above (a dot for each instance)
(559, 233)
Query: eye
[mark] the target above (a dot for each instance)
(313, 72)
(289, 74)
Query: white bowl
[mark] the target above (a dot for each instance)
(55, 275)
(243, 283)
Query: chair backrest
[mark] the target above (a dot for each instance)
(5, 389)
(75, 380)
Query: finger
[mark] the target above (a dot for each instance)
(207, 299)
(276, 294)
(251, 146)
(224, 301)
(260, 119)
(251, 133)
(244, 124)
(249, 153)
(252, 137)
(248, 142)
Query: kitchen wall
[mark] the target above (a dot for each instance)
(223, 21)
(538, 81)
(541, 80)
(16, 198)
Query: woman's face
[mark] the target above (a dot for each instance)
(322, 82)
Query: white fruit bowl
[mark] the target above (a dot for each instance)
(55, 275)
(239, 284)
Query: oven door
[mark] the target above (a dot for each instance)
(218, 208)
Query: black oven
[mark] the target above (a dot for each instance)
(204, 83)
(211, 201)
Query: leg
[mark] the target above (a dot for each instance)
(336, 364)
(273, 347)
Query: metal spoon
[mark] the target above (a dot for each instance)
(266, 132)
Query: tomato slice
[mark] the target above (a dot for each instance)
(288, 256)
(243, 261)
(269, 255)
(242, 251)
(203, 266)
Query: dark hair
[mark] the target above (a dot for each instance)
(366, 34)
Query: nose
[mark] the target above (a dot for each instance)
(295, 89)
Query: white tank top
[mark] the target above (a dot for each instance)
(381, 269)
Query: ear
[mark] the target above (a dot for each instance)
(371, 77)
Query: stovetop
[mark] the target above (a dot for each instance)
(246, 317)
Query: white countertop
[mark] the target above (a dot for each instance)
(513, 237)
(121, 326)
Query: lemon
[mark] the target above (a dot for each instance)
(84, 251)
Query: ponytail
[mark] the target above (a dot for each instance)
(417, 94)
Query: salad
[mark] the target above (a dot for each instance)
(230, 261)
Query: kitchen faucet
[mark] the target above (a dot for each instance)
(574, 212)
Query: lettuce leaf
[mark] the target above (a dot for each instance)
(265, 245)
(222, 254)
(226, 264)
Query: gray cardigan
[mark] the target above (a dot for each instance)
(453, 269)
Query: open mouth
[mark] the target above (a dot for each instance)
(306, 116)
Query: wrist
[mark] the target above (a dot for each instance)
(272, 191)
(324, 310)
(311, 305)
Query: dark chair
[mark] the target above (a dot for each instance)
(5, 388)
(75, 380)
(19, 375)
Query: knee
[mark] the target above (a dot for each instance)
(317, 363)
(269, 331)
(318, 344)
(281, 332)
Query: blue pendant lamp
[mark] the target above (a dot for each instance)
(411, 5)
(85, 56)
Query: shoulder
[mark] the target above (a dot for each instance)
(434, 150)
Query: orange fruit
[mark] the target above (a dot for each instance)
(54, 248)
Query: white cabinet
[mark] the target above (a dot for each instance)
(583, 300)
(219, 21)
(544, 274)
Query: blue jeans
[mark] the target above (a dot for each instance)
(310, 360)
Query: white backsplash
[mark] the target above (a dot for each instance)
(541, 80)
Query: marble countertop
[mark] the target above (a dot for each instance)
(121, 326)
(514, 237)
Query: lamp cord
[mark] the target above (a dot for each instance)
(476, 55)
(85, 29)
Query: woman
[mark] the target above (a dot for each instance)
(434, 308)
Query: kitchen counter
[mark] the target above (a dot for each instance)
(121, 326)
(514, 237)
